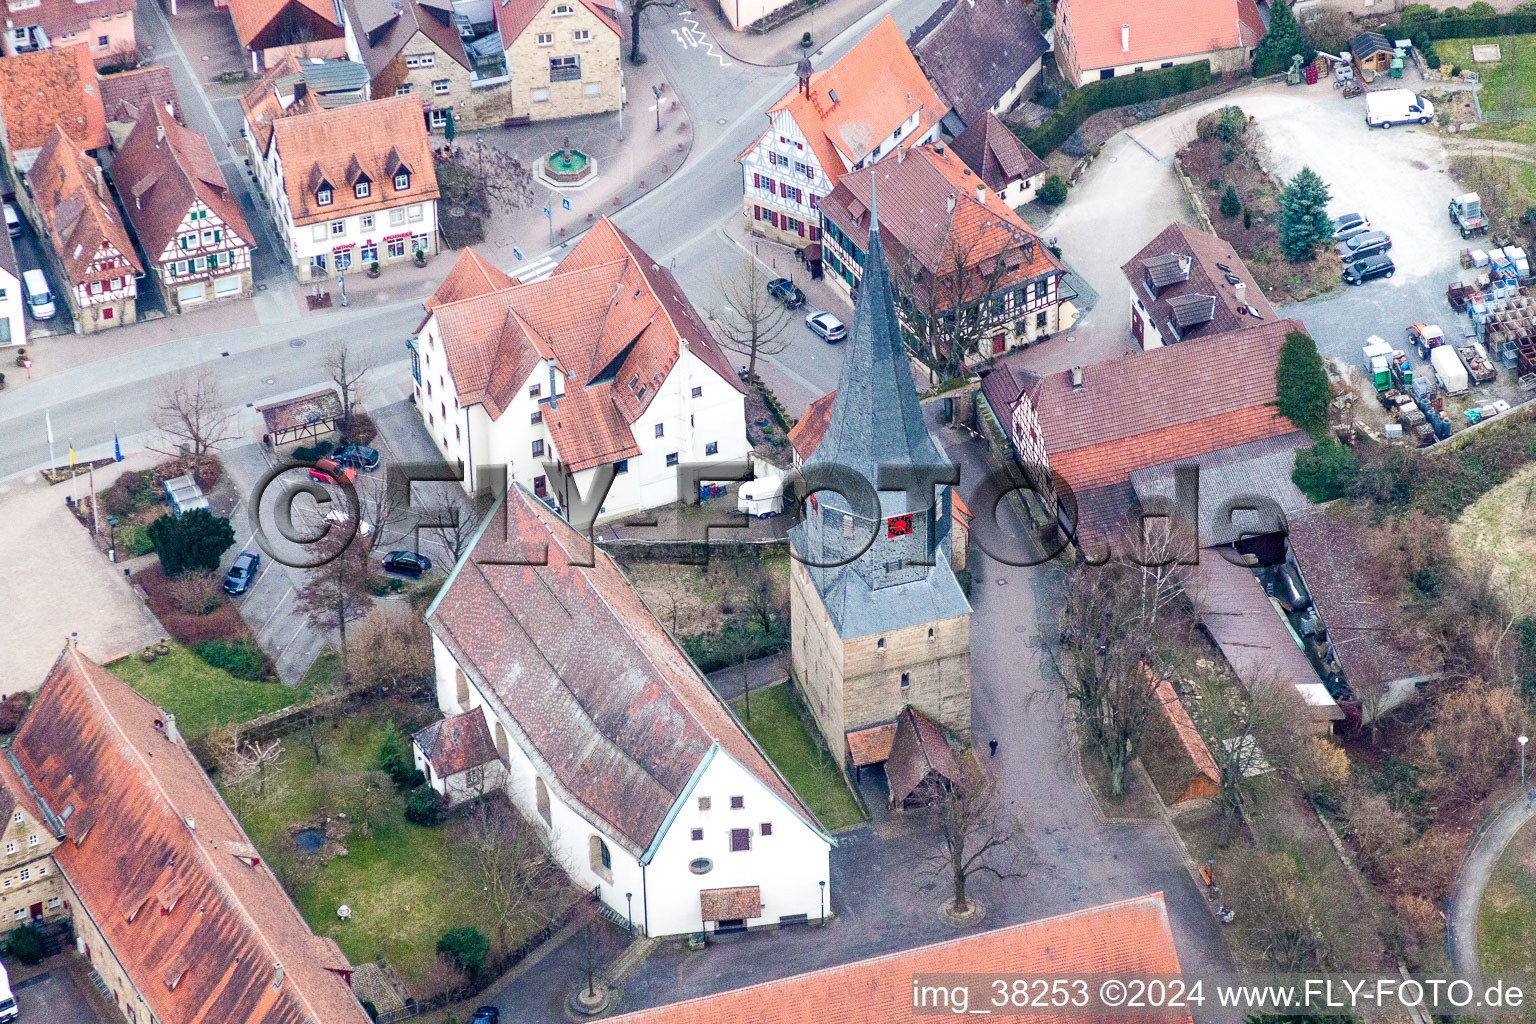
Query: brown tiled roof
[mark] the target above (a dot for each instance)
(1207, 256)
(914, 217)
(128, 95)
(514, 16)
(878, 85)
(1111, 461)
(323, 405)
(606, 301)
(61, 17)
(472, 276)
(380, 136)
(809, 429)
(596, 692)
(161, 172)
(15, 795)
(739, 904)
(77, 210)
(991, 150)
(1200, 27)
(918, 750)
(456, 744)
(384, 29)
(1366, 628)
(1125, 938)
(975, 51)
(263, 106)
(872, 745)
(152, 852)
(253, 18)
(1234, 609)
(51, 88)
(1206, 780)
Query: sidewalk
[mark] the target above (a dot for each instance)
(780, 46)
(784, 262)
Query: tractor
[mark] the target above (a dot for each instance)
(1466, 213)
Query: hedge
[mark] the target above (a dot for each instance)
(1085, 101)
(1466, 28)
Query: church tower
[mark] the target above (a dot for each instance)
(877, 624)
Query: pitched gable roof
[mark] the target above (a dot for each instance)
(77, 210)
(46, 89)
(253, 19)
(1201, 26)
(919, 749)
(975, 51)
(995, 154)
(327, 142)
(1129, 937)
(472, 276)
(809, 429)
(592, 685)
(129, 95)
(1185, 275)
(162, 171)
(274, 96)
(145, 824)
(458, 743)
(384, 28)
(877, 85)
(514, 16)
(59, 18)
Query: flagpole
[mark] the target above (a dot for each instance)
(53, 462)
(95, 519)
(74, 487)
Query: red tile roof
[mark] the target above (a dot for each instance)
(162, 171)
(739, 904)
(514, 16)
(918, 750)
(263, 102)
(606, 301)
(472, 276)
(1129, 937)
(457, 743)
(1207, 778)
(1110, 461)
(128, 95)
(872, 745)
(1200, 26)
(878, 86)
(59, 18)
(809, 429)
(992, 151)
(338, 147)
(601, 696)
(51, 88)
(254, 18)
(1207, 257)
(78, 212)
(143, 823)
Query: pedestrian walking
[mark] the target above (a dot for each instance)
(992, 746)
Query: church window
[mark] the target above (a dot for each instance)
(541, 798)
(906, 680)
(930, 632)
(880, 644)
(600, 860)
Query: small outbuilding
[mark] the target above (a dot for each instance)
(922, 766)
(305, 418)
(1372, 52)
(1175, 755)
(458, 757)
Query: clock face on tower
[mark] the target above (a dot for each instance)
(898, 526)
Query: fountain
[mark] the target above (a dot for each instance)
(566, 167)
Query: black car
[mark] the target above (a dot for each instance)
(787, 292)
(240, 575)
(407, 563)
(1350, 224)
(486, 1015)
(358, 456)
(1367, 243)
(1361, 271)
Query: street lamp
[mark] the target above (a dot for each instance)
(630, 898)
(112, 525)
(1523, 741)
(656, 91)
(823, 884)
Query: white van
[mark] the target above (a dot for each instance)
(1396, 106)
(7, 998)
(39, 298)
(12, 221)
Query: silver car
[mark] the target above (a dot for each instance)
(1367, 243)
(827, 325)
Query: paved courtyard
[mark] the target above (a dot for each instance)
(56, 992)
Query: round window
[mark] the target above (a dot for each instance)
(702, 866)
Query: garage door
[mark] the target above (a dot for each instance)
(226, 286)
(188, 294)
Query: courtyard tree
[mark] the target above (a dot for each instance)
(1281, 42)
(637, 8)
(191, 542)
(347, 367)
(465, 948)
(522, 887)
(1302, 391)
(336, 591)
(455, 517)
(948, 309)
(1250, 733)
(190, 411)
(244, 766)
(476, 182)
(750, 321)
(977, 836)
(1304, 222)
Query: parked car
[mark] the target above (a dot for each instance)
(39, 298)
(827, 325)
(1350, 224)
(12, 221)
(358, 456)
(1366, 243)
(787, 292)
(340, 517)
(407, 563)
(327, 471)
(1361, 271)
(486, 1015)
(242, 573)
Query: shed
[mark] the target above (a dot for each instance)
(922, 765)
(305, 418)
(1176, 756)
(1372, 51)
(458, 757)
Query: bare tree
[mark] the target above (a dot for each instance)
(243, 765)
(336, 592)
(977, 837)
(636, 8)
(483, 178)
(751, 321)
(460, 520)
(365, 792)
(521, 885)
(391, 648)
(190, 411)
(347, 368)
(949, 308)
(1249, 734)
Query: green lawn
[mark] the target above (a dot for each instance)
(406, 884)
(777, 725)
(202, 698)
(1506, 922)
(1512, 81)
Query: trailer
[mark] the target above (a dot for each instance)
(1449, 371)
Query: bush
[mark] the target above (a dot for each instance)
(1231, 205)
(1085, 101)
(424, 807)
(1227, 124)
(368, 1008)
(359, 429)
(1480, 9)
(381, 585)
(14, 707)
(1054, 191)
(465, 948)
(395, 761)
(1432, 59)
(224, 623)
(1247, 218)
(1326, 471)
(191, 541)
(1280, 43)
(1302, 392)
(27, 945)
(1455, 70)
(312, 454)
(195, 593)
(133, 541)
(240, 658)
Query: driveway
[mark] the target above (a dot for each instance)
(56, 994)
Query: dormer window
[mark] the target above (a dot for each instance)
(323, 197)
(402, 181)
(360, 190)
(562, 10)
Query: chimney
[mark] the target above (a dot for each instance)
(981, 193)
(1125, 38)
(171, 733)
(552, 400)
(101, 184)
(1076, 376)
(901, 152)
(277, 975)
(159, 133)
(1242, 293)
(949, 203)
